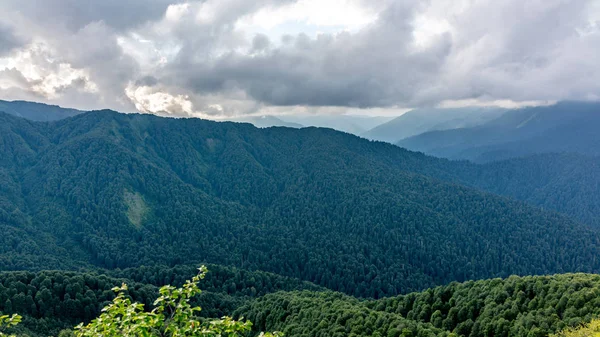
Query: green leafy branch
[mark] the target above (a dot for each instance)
(173, 316)
(9, 321)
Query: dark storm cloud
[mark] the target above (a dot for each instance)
(522, 52)
(374, 67)
(260, 42)
(512, 49)
(8, 40)
(147, 81)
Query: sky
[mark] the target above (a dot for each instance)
(223, 58)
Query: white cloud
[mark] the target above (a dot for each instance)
(35, 69)
(177, 11)
(347, 14)
(233, 57)
(505, 103)
(150, 100)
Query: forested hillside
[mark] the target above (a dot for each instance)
(516, 306)
(568, 183)
(564, 182)
(563, 127)
(51, 301)
(112, 190)
(54, 300)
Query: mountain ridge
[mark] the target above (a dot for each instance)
(563, 127)
(269, 199)
(418, 121)
(37, 111)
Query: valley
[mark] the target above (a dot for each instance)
(364, 234)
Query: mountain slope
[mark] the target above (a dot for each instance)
(567, 183)
(115, 190)
(564, 127)
(329, 314)
(37, 111)
(516, 306)
(417, 121)
(54, 300)
(547, 181)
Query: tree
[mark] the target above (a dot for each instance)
(172, 316)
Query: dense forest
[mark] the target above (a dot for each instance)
(52, 301)
(311, 231)
(566, 182)
(110, 190)
(516, 306)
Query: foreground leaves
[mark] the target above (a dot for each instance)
(7, 321)
(173, 315)
(589, 330)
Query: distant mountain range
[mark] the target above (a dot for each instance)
(479, 134)
(266, 121)
(354, 124)
(417, 121)
(37, 111)
(563, 127)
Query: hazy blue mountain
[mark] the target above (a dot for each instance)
(37, 111)
(266, 121)
(417, 121)
(354, 124)
(563, 127)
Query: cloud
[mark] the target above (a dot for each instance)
(525, 51)
(260, 42)
(8, 40)
(149, 100)
(528, 50)
(33, 72)
(76, 14)
(376, 66)
(225, 57)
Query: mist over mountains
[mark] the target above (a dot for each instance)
(418, 121)
(563, 127)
